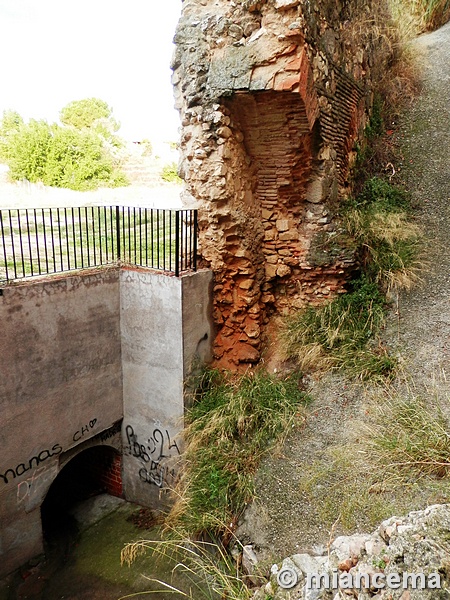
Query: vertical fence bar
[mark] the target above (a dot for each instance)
(124, 234)
(180, 251)
(21, 244)
(99, 235)
(37, 241)
(12, 244)
(93, 236)
(117, 232)
(177, 243)
(4, 245)
(74, 239)
(67, 238)
(53, 241)
(170, 240)
(111, 228)
(194, 258)
(140, 236)
(164, 240)
(60, 240)
(44, 227)
(86, 224)
(106, 234)
(151, 213)
(134, 236)
(80, 229)
(146, 239)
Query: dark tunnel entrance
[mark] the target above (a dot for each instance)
(94, 471)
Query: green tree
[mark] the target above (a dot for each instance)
(63, 156)
(85, 113)
(79, 161)
(10, 124)
(93, 114)
(27, 150)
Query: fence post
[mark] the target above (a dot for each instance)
(4, 246)
(177, 243)
(118, 231)
(194, 258)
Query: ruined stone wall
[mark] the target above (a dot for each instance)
(273, 95)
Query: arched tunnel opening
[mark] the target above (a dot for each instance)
(94, 471)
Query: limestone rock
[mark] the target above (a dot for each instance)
(409, 564)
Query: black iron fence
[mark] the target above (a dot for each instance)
(40, 241)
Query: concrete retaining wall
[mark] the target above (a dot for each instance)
(164, 321)
(60, 384)
(78, 354)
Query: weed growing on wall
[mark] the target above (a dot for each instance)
(339, 334)
(388, 241)
(343, 334)
(231, 425)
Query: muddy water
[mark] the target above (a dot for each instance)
(83, 559)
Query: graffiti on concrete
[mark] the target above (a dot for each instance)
(111, 432)
(31, 485)
(154, 455)
(30, 464)
(84, 430)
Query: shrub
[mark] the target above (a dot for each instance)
(27, 151)
(79, 159)
(170, 173)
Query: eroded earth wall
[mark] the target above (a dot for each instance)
(273, 97)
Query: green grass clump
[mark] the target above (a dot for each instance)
(410, 436)
(432, 13)
(388, 241)
(343, 334)
(231, 425)
(211, 571)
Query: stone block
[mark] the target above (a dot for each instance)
(283, 270)
(282, 224)
(285, 4)
(271, 270)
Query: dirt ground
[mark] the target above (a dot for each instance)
(302, 493)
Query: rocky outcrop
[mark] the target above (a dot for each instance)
(406, 558)
(273, 95)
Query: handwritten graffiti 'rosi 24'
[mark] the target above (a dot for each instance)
(30, 464)
(153, 456)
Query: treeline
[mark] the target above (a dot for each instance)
(81, 154)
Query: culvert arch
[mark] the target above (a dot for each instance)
(92, 471)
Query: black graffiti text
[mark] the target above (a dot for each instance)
(32, 463)
(153, 454)
(84, 430)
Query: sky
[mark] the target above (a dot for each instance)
(56, 51)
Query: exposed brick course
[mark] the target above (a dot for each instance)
(273, 97)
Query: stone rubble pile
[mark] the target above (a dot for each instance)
(395, 562)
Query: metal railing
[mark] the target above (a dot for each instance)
(40, 241)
